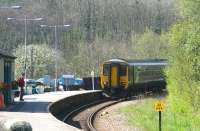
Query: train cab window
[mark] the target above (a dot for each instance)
(106, 69)
(123, 70)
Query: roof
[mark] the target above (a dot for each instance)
(4, 53)
(117, 60)
(148, 62)
(141, 62)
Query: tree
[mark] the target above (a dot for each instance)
(150, 45)
(183, 77)
(190, 8)
(40, 61)
(107, 25)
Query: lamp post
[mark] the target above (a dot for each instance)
(56, 44)
(25, 19)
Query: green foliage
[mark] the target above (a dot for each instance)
(100, 29)
(142, 115)
(90, 19)
(184, 64)
(40, 60)
(150, 45)
(90, 56)
(190, 8)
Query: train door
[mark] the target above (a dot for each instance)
(114, 75)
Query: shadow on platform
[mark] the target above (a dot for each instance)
(29, 107)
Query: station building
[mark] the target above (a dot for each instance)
(7, 69)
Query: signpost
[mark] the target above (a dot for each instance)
(159, 106)
(92, 74)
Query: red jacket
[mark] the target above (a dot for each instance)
(21, 82)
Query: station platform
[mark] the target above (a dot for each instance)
(34, 109)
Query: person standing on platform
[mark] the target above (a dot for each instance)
(21, 84)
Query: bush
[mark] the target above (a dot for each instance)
(184, 67)
(150, 45)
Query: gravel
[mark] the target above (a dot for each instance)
(80, 119)
(110, 120)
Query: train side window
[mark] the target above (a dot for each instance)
(106, 69)
(123, 70)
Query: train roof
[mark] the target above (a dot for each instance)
(117, 60)
(141, 62)
(148, 62)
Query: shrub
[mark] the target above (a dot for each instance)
(184, 67)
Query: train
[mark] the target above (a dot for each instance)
(120, 75)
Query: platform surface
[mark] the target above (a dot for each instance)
(34, 109)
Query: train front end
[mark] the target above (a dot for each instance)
(114, 76)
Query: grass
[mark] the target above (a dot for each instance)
(143, 116)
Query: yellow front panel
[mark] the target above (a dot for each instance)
(104, 80)
(114, 76)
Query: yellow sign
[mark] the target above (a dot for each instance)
(159, 106)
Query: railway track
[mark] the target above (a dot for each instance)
(92, 116)
(84, 116)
